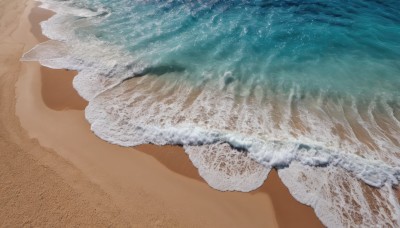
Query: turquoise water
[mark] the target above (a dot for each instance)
(339, 46)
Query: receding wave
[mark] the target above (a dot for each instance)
(326, 136)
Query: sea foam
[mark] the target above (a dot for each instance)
(321, 143)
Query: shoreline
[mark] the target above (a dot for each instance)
(152, 186)
(172, 157)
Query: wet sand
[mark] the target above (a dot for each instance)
(100, 184)
(55, 94)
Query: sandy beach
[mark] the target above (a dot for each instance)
(55, 172)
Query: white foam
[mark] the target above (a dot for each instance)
(67, 8)
(339, 200)
(227, 169)
(114, 122)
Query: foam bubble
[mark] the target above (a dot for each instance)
(338, 199)
(227, 169)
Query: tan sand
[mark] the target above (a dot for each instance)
(54, 171)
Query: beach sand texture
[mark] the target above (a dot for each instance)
(55, 172)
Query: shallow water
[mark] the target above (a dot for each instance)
(336, 46)
(310, 88)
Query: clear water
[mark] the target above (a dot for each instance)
(311, 88)
(338, 46)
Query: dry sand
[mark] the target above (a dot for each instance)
(55, 172)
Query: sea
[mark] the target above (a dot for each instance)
(309, 88)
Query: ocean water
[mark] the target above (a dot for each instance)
(311, 88)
